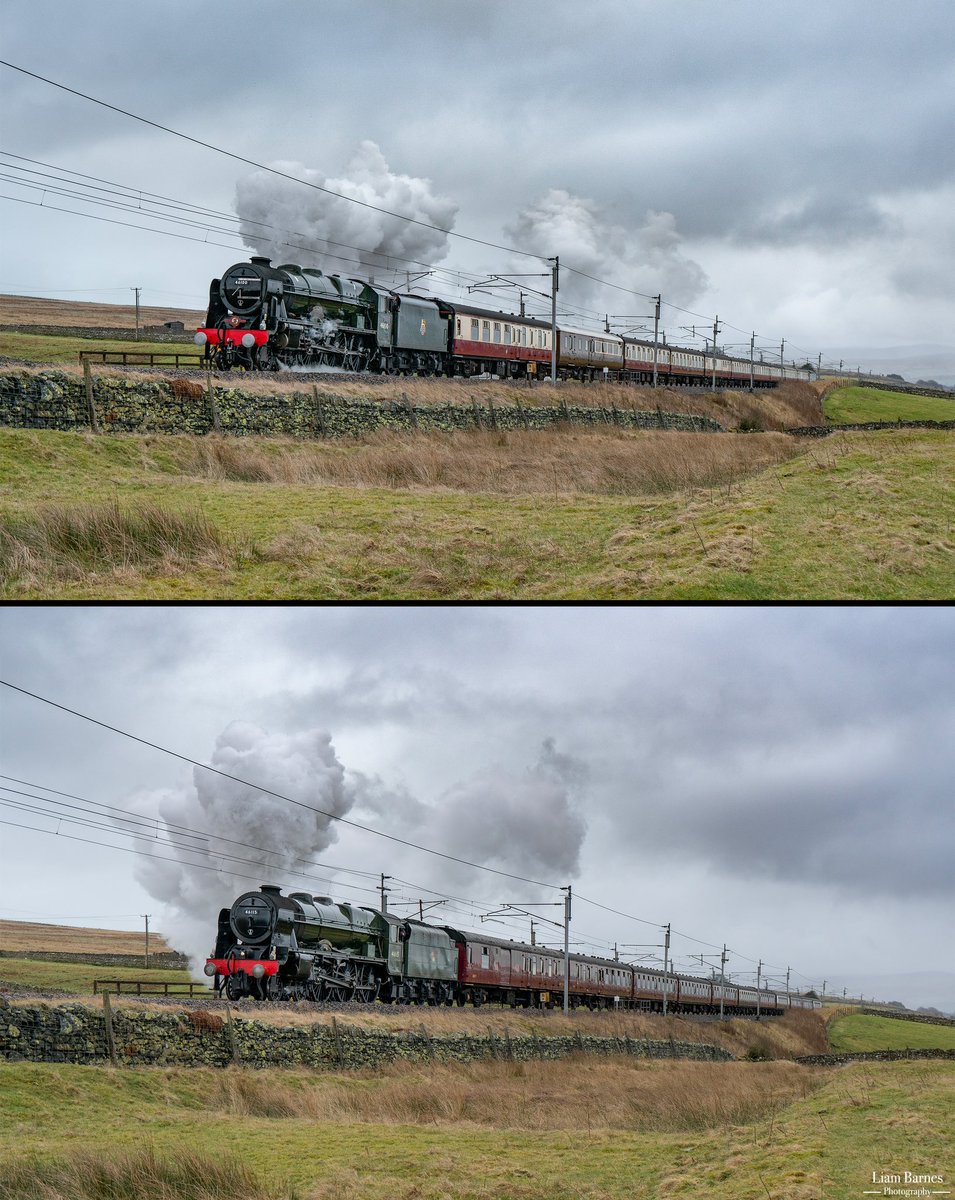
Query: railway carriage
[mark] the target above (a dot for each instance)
(262, 317)
(583, 354)
(303, 947)
(503, 344)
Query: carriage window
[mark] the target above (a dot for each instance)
(485, 957)
(497, 331)
(459, 326)
(507, 335)
(475, 329)
(486, 331)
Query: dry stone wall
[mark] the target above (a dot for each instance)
(76, 1033)
(165, 960)
(839, 1060)
(56, 400)
(898, 1015)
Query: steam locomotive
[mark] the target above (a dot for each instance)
(262, 317)
(303, 947)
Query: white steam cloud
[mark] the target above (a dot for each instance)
(278, 835)
(279, 217)
(646, 258)
(526, 823)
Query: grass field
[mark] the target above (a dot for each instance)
(76, 977)
(860, 516)
(849, 405)
(859, 1031)
(37, 347)
(589, 1130)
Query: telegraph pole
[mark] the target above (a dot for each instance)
(722, 974)
(384, 892)
(137, 290)
(656, 330)
(759, 973)
(752, 347)
(666, 977)
(788, 969)
(146, 917)
(716, 329)
(555, 278)
(566, 949)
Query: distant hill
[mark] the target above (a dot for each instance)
(31, 935)
(33, 310)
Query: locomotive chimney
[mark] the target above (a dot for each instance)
(260, 262)
(270, 889)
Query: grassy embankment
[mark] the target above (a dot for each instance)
(851, 405)
(574, 514)
(858, 1031)
(76, 977)
(569, 1130)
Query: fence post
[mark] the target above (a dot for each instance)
(338, 1043)
(212, 404)
(236, 1057)
(110, 1041)
(90, 406)
(319, 411)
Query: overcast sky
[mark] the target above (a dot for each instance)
(787, 167)
(778, 779)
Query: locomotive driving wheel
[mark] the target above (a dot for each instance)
(345, 983)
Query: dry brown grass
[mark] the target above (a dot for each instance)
(798, 1032)
(615, 1093)
(78, 540)
(91, 1175)
(791, 404)
(558, 462)
(30, 935)
(33, 310)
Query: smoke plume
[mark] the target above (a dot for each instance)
(525, 823)
(645, 257)
(201, 879)
(291, 223)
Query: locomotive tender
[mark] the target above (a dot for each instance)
(262, 317)
(275, 947)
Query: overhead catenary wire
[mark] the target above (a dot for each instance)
(114, 818)
(317, 187)
(278, 795)
(312, 808)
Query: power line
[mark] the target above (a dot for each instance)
(261, 166)
(132, 817)
(308, 807)
(317, 187)
(278, 795)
